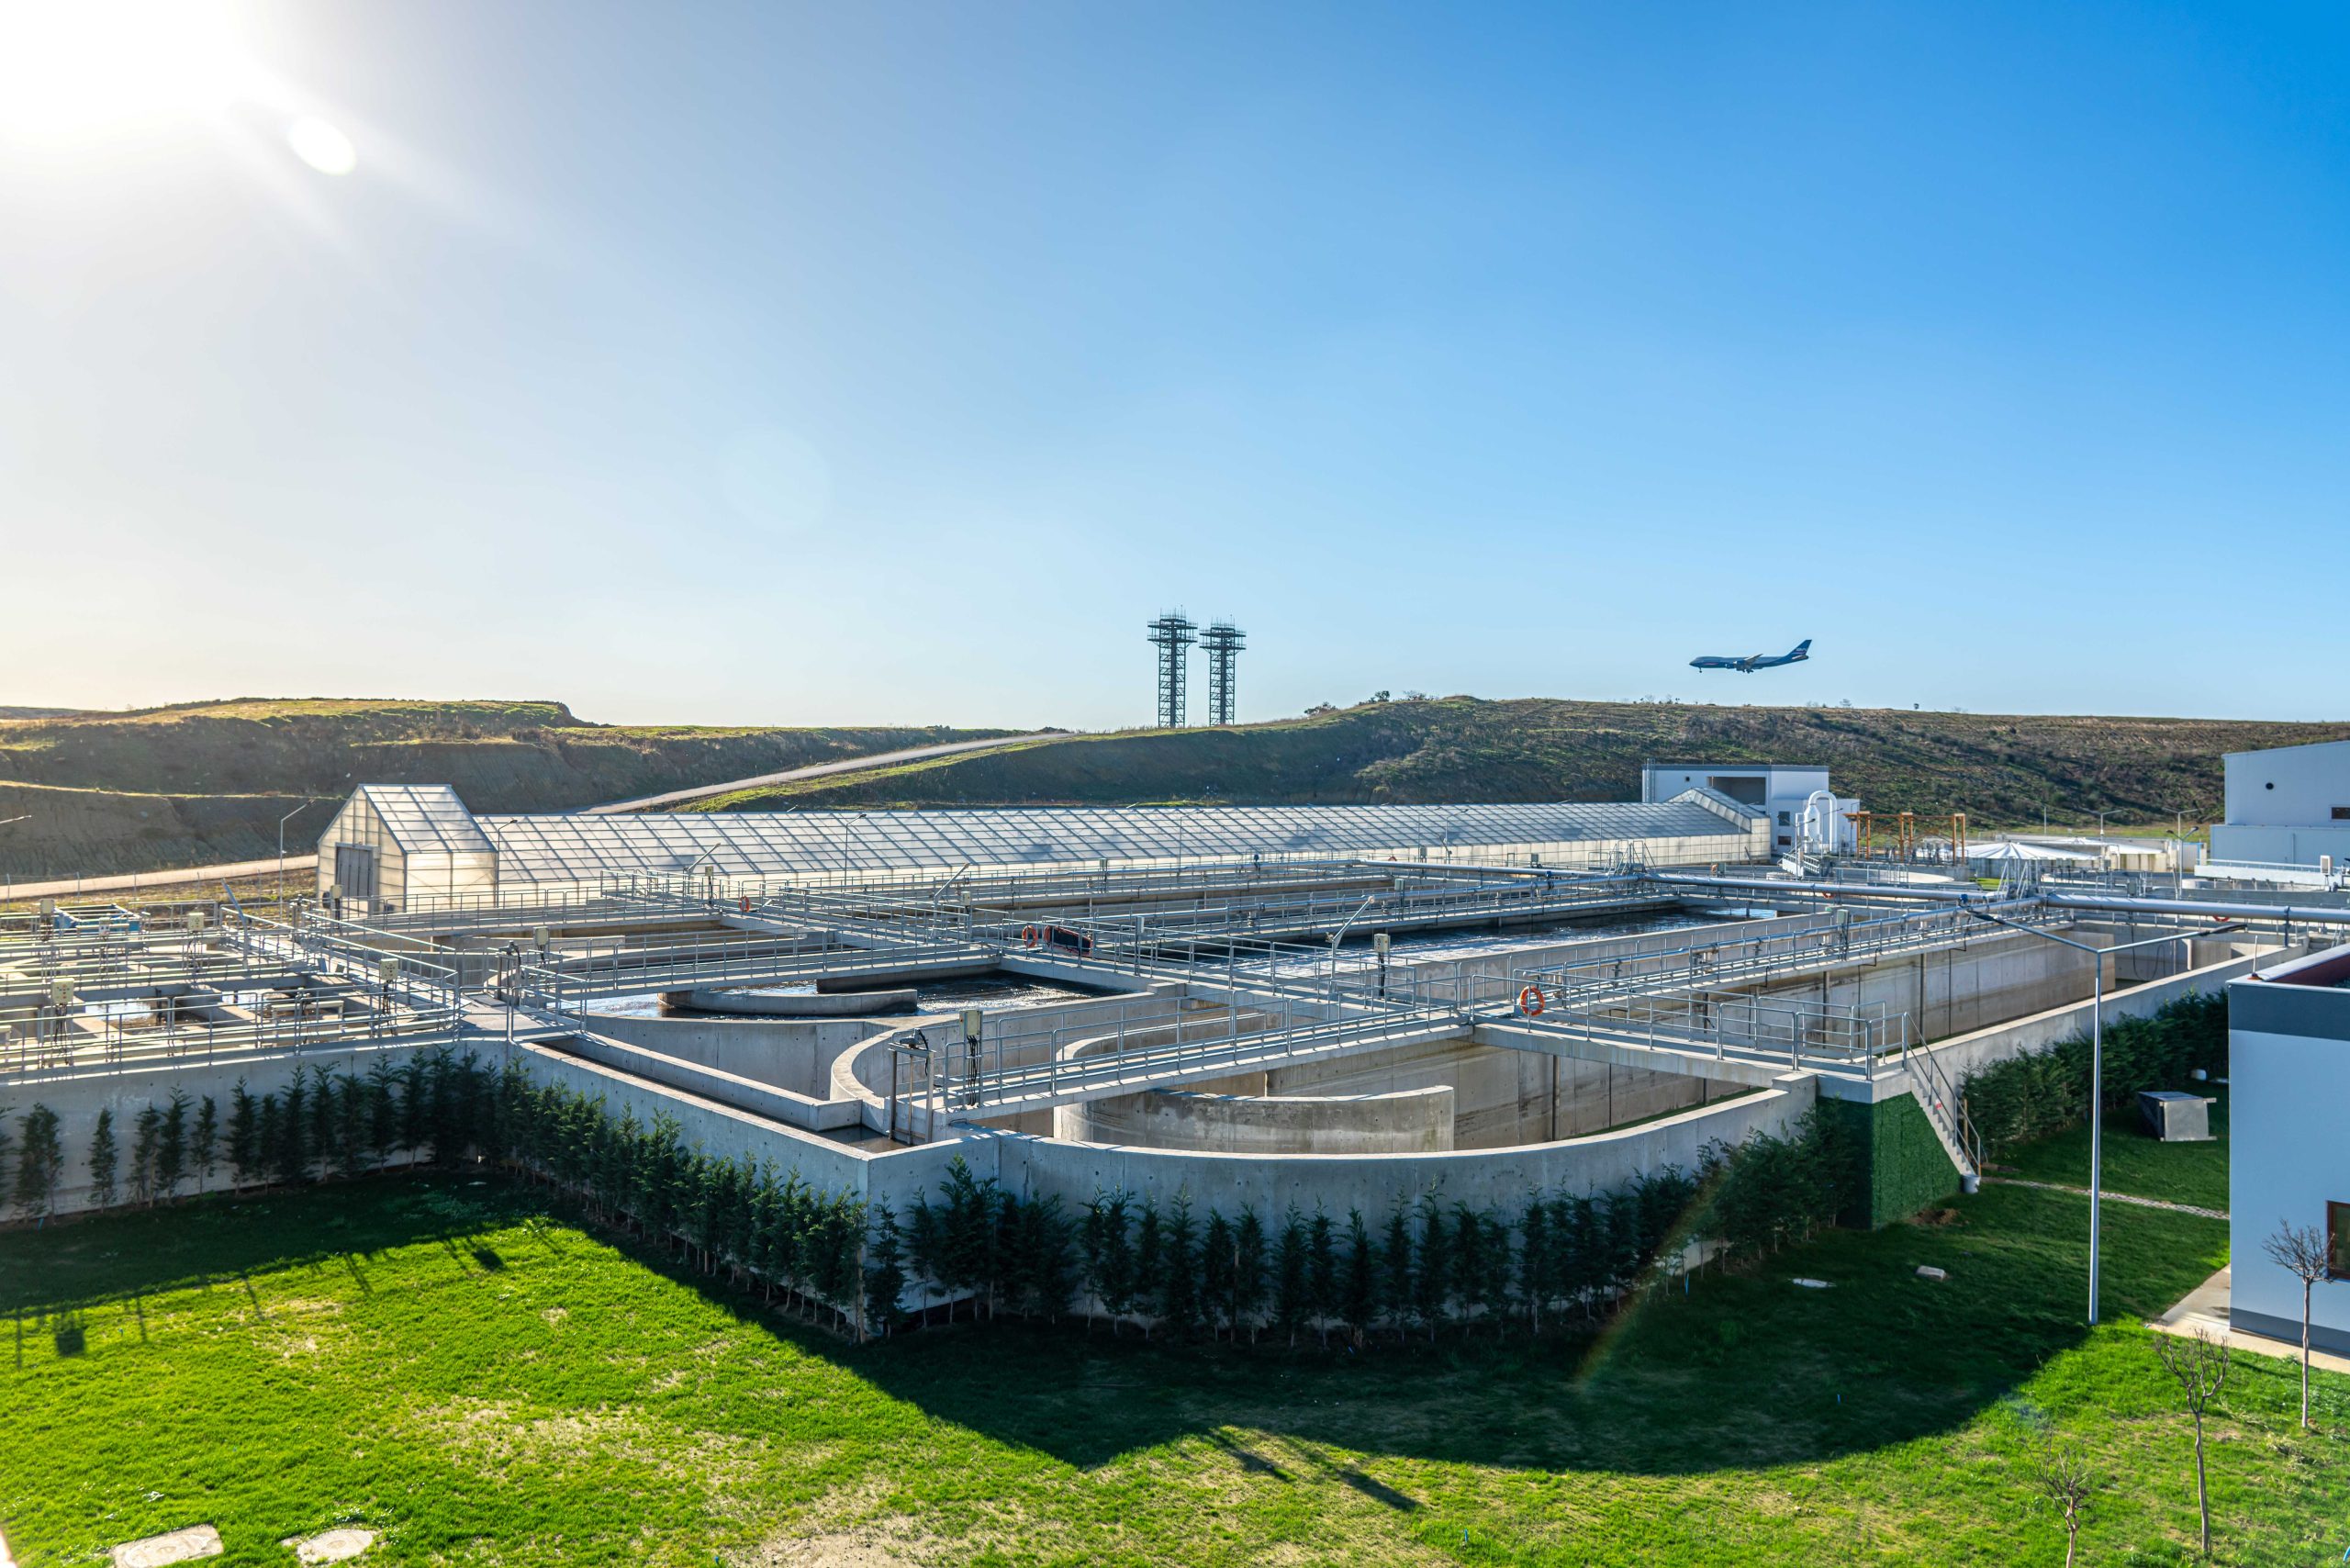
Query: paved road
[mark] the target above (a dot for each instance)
(816, 771)
(297, 870)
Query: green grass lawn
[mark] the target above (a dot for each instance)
(460, 1364)
(2135, 1161)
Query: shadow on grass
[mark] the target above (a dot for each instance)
(220, 1237)
(1733, 1371)
(1740, 1370)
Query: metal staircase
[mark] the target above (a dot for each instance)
(1945, 1110)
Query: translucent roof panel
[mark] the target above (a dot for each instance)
(427, 818)
(749, 844)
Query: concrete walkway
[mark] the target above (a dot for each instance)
(2112, 1197)
(816, 771)
(2206, 1307)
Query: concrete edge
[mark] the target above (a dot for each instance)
(1792, 1084)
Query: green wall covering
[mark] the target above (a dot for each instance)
(1903, 1167)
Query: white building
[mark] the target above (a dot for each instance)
(1804, 813)
(2288, 1079)
(2286, 806)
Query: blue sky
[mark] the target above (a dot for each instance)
(896, 363)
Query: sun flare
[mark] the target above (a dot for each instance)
(75, 68)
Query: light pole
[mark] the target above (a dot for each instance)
(281, 852)
(10, 884)
(2096, 1048)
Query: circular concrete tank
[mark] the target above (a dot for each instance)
(1409, 1121)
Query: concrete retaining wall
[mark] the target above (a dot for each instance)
(713, 1083)
(1500, 1177)
(1996, 982)
(732, 1133)
(789, 1053)
(78, 1101)
(1970, 1053)
(1410, 1121)
(1504, 1097)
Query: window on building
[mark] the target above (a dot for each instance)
(2342, 813)
(2337, 1241)
(1785, 820)
(1785, 841)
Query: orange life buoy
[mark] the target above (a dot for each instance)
(1031, 935)
(1529, 1002)
(746, 903)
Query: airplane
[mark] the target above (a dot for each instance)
(1753, 662)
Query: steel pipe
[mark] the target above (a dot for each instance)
(1980, 898)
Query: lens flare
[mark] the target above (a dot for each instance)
(322, 146)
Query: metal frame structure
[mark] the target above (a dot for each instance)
(117, 989)
(1222, 642)
(1242, 959)
(1172, 635)
(924, 847)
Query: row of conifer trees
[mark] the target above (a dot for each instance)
(426, 1110)
(2030, 1096)
(1158, 1262)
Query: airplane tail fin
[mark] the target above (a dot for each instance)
(1804, 646)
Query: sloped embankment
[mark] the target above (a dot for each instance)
(206, 783)
(1999, 768)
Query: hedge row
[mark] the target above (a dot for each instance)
(2032, 1096)
(1159, 1263)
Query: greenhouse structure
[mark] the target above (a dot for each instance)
(404, 846)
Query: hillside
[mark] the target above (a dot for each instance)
(193, 785)
(207, 782)
(2000, 770)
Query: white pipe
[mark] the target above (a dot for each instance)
(2112, 906)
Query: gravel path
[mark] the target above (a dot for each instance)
(2112, 1197)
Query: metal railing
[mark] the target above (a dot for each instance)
(1945, 1108)
(1031, 1069)
(1752, 957)
(1802, 1034)
(50, 1044)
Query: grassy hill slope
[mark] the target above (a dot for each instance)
(1998, 768)
(207, 782)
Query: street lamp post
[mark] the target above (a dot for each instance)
(2096, 1051)
(281, 852)
(10, 883)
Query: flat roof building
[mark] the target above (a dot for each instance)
(1805, 815)
(2286, 806)
(2289, 1085)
